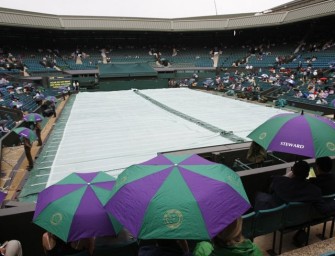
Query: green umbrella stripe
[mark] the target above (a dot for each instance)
(101, 194)
(102, 177)
(176, 159)
(73, 178)
(137, 172)
(322, 136)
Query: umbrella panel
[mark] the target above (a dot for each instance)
(33, 117)
(25, 132)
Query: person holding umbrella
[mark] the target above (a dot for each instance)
(28, 136)
(35, 119)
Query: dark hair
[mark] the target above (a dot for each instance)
(325, 163)
(301, 169)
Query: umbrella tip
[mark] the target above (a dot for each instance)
(302, 112)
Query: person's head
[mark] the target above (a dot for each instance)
(324, 164)
(230, 235)
(300, 169)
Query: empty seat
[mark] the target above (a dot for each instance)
(269, 221)
(249, 225)
(297, 215)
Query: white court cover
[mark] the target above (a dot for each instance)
(109, 131)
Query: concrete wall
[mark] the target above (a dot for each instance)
(16, 223)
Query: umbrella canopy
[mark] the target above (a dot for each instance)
(51, 98)
(33, 117)
(73, 208)
(26, 132)
(300, 134)
(177, 197)
(2, 197)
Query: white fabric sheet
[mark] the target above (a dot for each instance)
(109, 131)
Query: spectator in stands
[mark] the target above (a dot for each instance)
(52, 245)
(3, 81)
(11, 248)
(321, 101)
(77, 87)
(69, 90)
(256, 154)
(297, 93)
(325, 178)
(230, 241)
(294, 187)
(38, 98)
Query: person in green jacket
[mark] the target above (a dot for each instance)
(229, 242)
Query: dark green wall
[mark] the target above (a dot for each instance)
(161, 81)
(115, 85)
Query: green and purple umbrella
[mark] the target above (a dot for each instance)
(51, 98)
(300, 134)
(72, 208)
(177, 197)
(26, 132)
(2, 197)
(33, 117)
